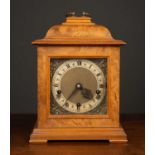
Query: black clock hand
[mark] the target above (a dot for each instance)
(78, 86)
(87, 93)
(72, 93)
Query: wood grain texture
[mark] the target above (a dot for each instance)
(22, 125)
(76, 41)
(46, 119)
(48, 122)
(114, 135)
(78, 31)
(78, 37)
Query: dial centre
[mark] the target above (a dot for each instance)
(78, 78)
(79, 86)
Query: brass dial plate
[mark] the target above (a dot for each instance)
(90, 75)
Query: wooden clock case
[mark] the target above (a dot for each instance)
(78, 37)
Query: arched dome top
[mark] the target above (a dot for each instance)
(78, 30)
(79, 27)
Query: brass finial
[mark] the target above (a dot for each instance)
(70, 14)
(86, 14)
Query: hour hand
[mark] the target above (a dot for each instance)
(87, 93)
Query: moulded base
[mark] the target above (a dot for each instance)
(113, 134)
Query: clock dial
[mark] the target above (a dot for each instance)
(78, 85)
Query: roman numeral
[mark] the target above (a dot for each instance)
(59, 74)
(98, 74)
(90, 66)
(68, 66)
(101, 86)
(90, 105)
(78, 106)
(55, 85)
(66, 104)
(98, 97)
(79, 63)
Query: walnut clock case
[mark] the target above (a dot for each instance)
(78, 83)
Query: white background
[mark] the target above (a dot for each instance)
(5, 77)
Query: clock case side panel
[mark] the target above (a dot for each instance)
(45, 120)
(42, 89)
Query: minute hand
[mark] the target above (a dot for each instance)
(73, 92)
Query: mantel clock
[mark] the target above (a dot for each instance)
(78, 83)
